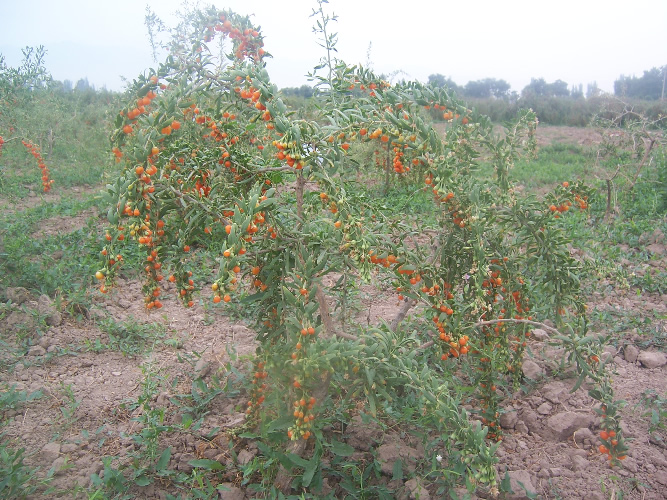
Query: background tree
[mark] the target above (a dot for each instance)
(577, 91)
(648, 86)
(540, 88)
(439, 80)
(592, 90)
(486, 88)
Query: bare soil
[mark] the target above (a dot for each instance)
(86, 410)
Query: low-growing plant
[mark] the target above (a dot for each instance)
(17, 479)
(130, 337)
(11, 399)
(69, 406)
(655, 407)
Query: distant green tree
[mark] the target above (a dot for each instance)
(577, 91)
(540, 88)
(488, 87)
(305, 91)
(536, 87)
(559, 88)
(500, 88)
(592, 90)
(648, 86)
(83, 85)
(477, 88)
(438, 80)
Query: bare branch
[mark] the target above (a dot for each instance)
(512, 320)
(402, 312)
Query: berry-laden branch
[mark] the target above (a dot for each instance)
(34, 151)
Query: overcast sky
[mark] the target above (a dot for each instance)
(578, 41)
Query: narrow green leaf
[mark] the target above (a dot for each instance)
(341, 449)
(397, 472)
(164, 459)
(205, 463)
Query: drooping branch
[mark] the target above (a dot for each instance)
(428, 344)
(298, 447)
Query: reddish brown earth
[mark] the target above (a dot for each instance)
(86, 410)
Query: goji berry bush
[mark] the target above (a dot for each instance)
(213, 160)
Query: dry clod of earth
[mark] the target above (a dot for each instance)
(630, 353)
(17, 295)
(651, 359)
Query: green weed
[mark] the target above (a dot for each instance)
(131, 337)
(655, 408)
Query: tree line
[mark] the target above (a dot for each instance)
(649, 86)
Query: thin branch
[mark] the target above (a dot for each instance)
(410, 303)
(512, 320)
(402, 312)
(300, 183)
(194, 201)
(428, 344)
(273, 169)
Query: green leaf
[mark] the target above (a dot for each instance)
(297, 460)
(397, 471)
(311, 468)
(205, 463)
(143, 480)
(281, 423)
(341, 449)
(164, 459)
(506, 484)
(580, 380)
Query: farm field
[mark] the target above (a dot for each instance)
(359, 289)
(93, 383)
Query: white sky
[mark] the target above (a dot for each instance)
(578, 41)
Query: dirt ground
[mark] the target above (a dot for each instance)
(550, 443)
